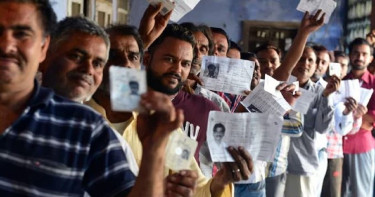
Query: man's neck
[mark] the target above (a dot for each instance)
(314, 79)
(303, 82)
(357, 74)
(12, 104)
(173, 96)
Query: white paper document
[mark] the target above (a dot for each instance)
(227, 75)
(270, 85)
(312, 6)
(167, 5)
(334, 69)
(303, 103)
(348, 88)
(365, 96)
(180, 7)
(126, 85)
(258, 133)
(179, 151)
(261, 101)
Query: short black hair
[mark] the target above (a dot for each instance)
(203, 29)
(77, 24)
(360, 41)
(320, 48)
(339, 54)
(127, 30)
(175, 31)
(219, 125)
(46, 13)
(268, 45)
(234, 45)
(248, 55)
(218, 30)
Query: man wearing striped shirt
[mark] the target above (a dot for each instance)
(51, 146)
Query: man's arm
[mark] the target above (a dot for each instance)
(308, 25)
(325, 110)
(153, 131)
(152, 24)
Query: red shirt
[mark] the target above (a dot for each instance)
(362, 141)
(368, 81)
(196, 109)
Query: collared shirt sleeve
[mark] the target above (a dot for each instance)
(324, 116)
(108, 171)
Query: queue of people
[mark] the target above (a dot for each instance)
(60, 135)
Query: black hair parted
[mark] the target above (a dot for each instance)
(46, 13)
(360, 41)
(219, 125)
(175, 31)
(127, 30)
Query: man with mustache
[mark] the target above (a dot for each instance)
(75, 60)
(323, 61)
(358, 166)
(203, 47)
(168, 61)
(303, 161)
(269, 57)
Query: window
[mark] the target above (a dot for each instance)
(109, 22)
(122, 18)
(123, 4)
(256, 33)
(76, 9)
(101, 18)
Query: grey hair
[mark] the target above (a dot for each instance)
(78, 24)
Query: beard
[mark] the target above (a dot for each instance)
(155, 82)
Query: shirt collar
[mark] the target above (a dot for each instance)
(365, 77)
(40, 96)
(308, 84)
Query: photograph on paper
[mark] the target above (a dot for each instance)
(227, 75)
(258, 133)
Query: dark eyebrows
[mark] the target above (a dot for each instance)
(135, 53)
(84, 53)
(22, 28)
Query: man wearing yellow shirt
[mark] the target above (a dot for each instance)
(168, 62)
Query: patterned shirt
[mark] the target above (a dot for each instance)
(231, 99)
(61, 148)
(292, 127)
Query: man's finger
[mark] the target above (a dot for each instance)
(241, 164)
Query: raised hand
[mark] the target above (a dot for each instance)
(289, 93)
(152, 24)
(158, 120)
(332, 86)
(360, 111)
(311, 23)
(350, 105)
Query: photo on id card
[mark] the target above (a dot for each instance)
(180, 151)
(126, 85)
